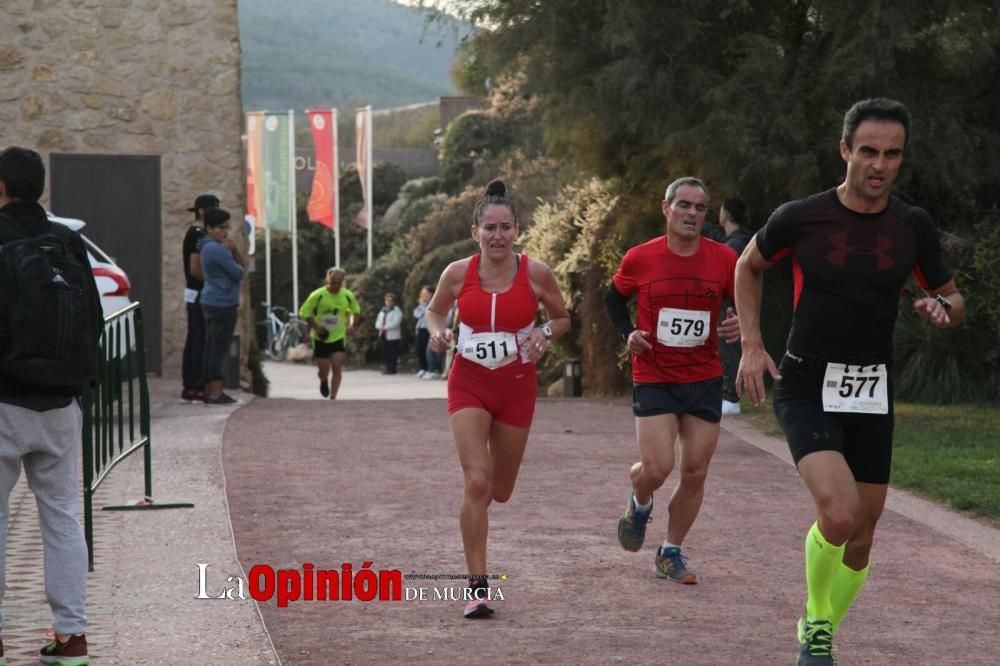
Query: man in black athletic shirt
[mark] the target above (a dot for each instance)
(852, 247)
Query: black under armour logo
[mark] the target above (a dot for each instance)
(841, 249)
(823, 435)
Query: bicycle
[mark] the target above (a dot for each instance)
(269, 327)
(281, 333)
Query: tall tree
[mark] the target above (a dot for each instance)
(751, 94)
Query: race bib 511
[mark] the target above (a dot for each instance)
(490, 350)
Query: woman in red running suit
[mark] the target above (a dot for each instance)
(492, 383)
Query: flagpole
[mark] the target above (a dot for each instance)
(368, 177)
(336, 189)
(292, 206)
(267, 268)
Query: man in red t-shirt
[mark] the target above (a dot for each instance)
(678, 281)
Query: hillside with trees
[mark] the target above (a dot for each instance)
(343, 53)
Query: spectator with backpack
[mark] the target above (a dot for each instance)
(50, 327)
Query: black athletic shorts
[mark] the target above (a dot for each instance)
(701, 399)
(326, 349)
(865, 440)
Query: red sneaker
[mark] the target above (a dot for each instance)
(72, 652)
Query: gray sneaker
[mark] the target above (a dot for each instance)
(672, 565)
(815, 643)
(632, 525)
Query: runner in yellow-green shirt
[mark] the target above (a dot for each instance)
(330, 311)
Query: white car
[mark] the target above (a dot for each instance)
(111, 280)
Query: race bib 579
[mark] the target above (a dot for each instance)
(683, 328)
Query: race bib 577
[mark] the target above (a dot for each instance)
(859, 389)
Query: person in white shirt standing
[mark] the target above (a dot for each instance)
(389, 324)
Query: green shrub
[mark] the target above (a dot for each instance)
(422, 187)
(387, 180)
(472, 137)
(418, 210)
(961, 364)
(427, 270)
(942, 366)
(570, 234)
(387, 274)
(450, 222)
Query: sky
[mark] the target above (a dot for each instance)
(438, 4)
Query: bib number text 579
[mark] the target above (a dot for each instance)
(676, 327)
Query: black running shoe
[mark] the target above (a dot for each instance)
(324, 389)
(816, 643)
(478, 604)
(222, 399)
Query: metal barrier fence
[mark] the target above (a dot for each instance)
(116, 411)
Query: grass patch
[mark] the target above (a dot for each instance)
(762, 417)
(948, 453)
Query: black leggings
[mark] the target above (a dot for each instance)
(219, 326)
(194, 348)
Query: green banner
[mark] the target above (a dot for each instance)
(277, 172)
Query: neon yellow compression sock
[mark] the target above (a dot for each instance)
(822, 561)
(847, 583)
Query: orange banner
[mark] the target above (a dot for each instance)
(255, 126)
(322, 207)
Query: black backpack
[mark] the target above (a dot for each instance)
(50, 311)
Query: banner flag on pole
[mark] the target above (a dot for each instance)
(255, 205)
(369, 163)
(322, 207)
(293, 210)
(277, 165)
(361, 154)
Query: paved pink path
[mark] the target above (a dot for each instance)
(334, 482)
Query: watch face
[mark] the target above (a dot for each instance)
(547, 330)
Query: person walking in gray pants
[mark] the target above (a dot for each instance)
(40, 416)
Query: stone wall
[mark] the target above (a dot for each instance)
(132, 77)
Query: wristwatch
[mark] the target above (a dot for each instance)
(945, 303)
(547, 331)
